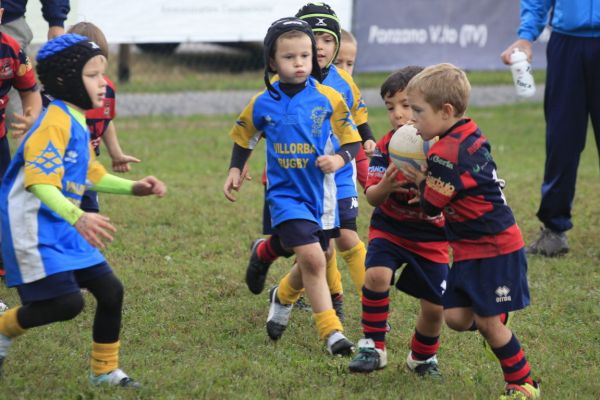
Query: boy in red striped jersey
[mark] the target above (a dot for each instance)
(400, 233)
(488, 277)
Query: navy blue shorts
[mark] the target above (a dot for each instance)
(89, 201)
(298, 232)
(60, 284)
(421, 278)
(490, 286)
(348, 210)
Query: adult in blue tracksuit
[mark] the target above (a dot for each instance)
(13, 19)
(572, 94)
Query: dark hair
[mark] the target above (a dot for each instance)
(398, 80)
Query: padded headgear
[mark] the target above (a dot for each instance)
(322, 18)
(60, 64)
(278, 28)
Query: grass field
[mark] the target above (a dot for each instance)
(192, 330)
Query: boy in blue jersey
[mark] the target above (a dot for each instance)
(50, 246)
(326, 28)
(400, 233)
(298, 117)
(488, 277)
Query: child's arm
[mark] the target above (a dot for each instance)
(144, 187)
(120, 161)
(238, 167)
(331, 163)
(94, 228)
(31, 101)
(377, 194)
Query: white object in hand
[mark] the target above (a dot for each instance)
(521, 73)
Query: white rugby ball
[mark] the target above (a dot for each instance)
(406, 147)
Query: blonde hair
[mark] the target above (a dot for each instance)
(93, 33)
(443, 84)
(348, 37)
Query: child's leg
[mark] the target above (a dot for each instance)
(375, 310)
(334, 281)
(17, 320)
(104, 362)
(375, 304)
(263, 253)
(353, 252)
(425, 341)
(507, 348)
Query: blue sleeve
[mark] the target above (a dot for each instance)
(55, 11)
(534, 17)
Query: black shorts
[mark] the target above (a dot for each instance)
(298, 232)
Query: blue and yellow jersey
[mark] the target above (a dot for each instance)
(36, 242)
(343, 83)
(297, 131)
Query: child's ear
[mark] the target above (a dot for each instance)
(447, 110)
(272, 64)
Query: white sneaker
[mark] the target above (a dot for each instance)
(279, 315)
(114, 378)
(3, 306)
(369, 358)
(339, 345)
(425, 368)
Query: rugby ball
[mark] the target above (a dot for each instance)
(406, 147)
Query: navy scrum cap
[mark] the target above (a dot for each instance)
(278, 28)
(60, 64)
(322, 18)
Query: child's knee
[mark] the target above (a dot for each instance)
(69, 306)
(458, 321)
(378, 279)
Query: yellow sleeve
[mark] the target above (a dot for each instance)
(95, 170)
(342, 124)
(244, 133)
(360, 114)
(43, 154)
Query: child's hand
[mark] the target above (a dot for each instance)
(369, 147)
(233, 182)
(95, 228)
(391, 183)
(414, 175)
(329, 164)
(22, 123)
(121, 163)
(149, 186)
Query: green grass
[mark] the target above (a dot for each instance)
(192, 330)
(217, 71)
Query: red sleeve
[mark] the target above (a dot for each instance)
(24, 78)
(379, 162)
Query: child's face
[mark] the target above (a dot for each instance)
(293, 59)
(326, 45)
(429, 122)
(399, 112)
(346, 57)
(93, 79)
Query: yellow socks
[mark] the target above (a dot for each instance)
(355, 258)
(9, 325)
(327, 322)
(286, 293)
(105, 357)
(334, 277)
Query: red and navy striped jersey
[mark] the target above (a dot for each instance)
(98, 119)
(15, 71)
(403, 224)
(463, 182)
